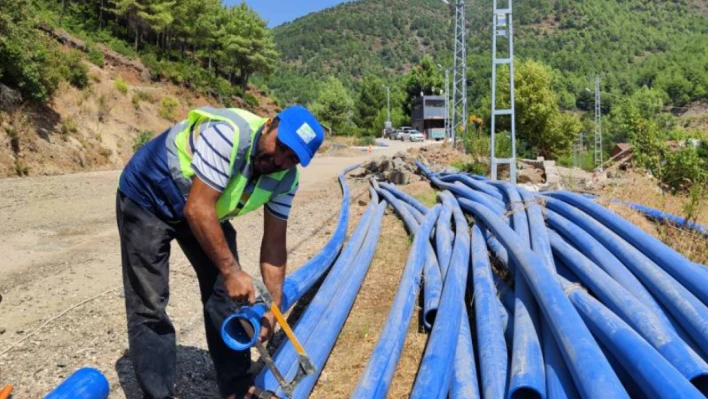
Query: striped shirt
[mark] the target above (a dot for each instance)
(211, 148)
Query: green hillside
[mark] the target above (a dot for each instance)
(661, 44)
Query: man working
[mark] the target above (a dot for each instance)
(186, 184)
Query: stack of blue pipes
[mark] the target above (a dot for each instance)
(524, 295)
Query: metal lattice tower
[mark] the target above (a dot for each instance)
(459, 77)
(598, 123)
(502, 27)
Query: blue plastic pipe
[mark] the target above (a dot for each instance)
(376, 379)
(655, 330)
(464, 371)
(686, 308)
(405, 197)
(325, 333)
(527, 379)
(285, 356)
(665, 217)
(443, 235)
(433, 380)
(84, 383)
(663, 255)
(459, 189)
(473, 184)
(302, 279)
(652, 372)
(492, 347)
(597, 252)
(591, 372)
(432, 277)
(232, 332)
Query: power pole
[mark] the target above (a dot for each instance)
(598, 123)
(388, 104)
(448, 133)
(459, 77)
(502, 26)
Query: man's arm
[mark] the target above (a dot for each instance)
(274, 254)
(200, 212)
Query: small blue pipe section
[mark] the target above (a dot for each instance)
(559, 382)
(490, 337)
(285, 356)
(591, 372)
(653, 373)
(464, 371)
(302, 279)
(680, 302)
(442, 343)
(665, 217)
(666, 257)
(84, 383)
(376, 379)
(232, 332)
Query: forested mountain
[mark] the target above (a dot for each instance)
(632, 43)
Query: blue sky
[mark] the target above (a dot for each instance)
(278, 11)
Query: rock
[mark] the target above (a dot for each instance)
(2, 330)
(449, 169)
(399, 178)
(398, 163)
(533, 176)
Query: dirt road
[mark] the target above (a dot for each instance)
(60, 247)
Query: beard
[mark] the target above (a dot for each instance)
(264, 164)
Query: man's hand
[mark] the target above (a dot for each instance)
(239, 287)
(267, 326)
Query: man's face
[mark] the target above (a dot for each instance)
(271, 154)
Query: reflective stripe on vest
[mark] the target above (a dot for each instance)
(245, 126)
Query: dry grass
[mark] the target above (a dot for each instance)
(361, 331)
(645, 191)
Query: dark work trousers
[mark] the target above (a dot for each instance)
(145, 251)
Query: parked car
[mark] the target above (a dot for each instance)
(414, 135)
(402, 131)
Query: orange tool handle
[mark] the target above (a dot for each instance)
(5, 393)
(286, 327)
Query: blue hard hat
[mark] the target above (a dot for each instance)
(300, 131)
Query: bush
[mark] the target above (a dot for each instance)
(168, 108)
(251, 100)
(121, 85)
(142, 138)
(68, 126)
(75, 71)
(95, 56)
(365, 141)
(475, 168)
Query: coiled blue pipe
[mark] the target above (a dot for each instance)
(665, 217)
(657, 331)
(432, 284)
(285, 357)
(84, 383)
(460, 189)
(653, 373)
(376, 379)
(492, 347)
(686, 308)
(302, 279)
(442, 343)
(666, 257)
(405, 197)
(591, 372)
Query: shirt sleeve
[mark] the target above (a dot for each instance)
(279, 205)
(212, 151)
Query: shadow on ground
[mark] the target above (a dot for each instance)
(196, 378)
